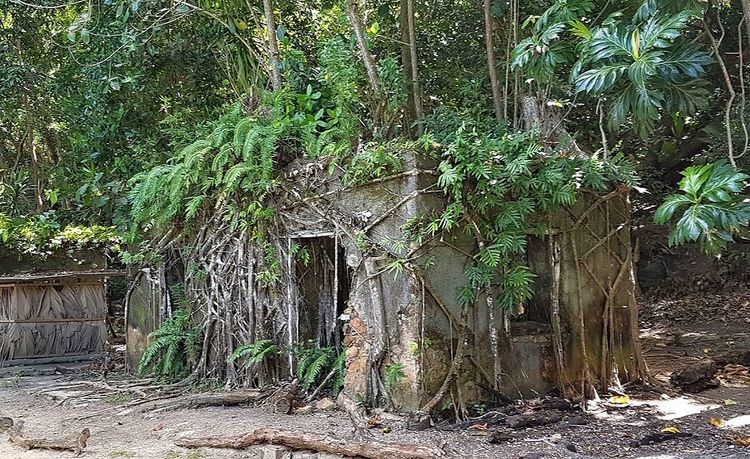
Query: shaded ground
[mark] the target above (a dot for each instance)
(697, 307)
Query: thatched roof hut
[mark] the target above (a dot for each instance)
(52, 317)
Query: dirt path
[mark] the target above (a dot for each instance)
(151, 435)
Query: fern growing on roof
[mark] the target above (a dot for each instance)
(235, 161)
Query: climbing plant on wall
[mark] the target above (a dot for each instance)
(178, 122)
(499, 190)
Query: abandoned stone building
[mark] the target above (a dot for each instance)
(579, 330)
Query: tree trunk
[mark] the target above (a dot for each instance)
(414, 59)
(273, 45)
(497, 98)
(746, 9)
(730, 89)
(410, 111)
(372, 449)
(36, 175)
(370, 66)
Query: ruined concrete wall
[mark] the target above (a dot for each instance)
(386, 307)
(392, 321)
(595, 275)
(145, 311)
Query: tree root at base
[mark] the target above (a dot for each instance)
(371, 449)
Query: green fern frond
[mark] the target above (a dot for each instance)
(235, 175)
(222, 158)
(173, 348)
(195, 154)
(394, 373)
(254, 353)
(340, 366)
(313, 364)
(193, 206)
(241, 133)
(315, 369)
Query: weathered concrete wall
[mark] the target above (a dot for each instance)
(58, 261)
(391, 320)
(595, 264)
(144, 313)
(413, 330)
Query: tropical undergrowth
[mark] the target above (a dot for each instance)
(174, 348)
(499, 187)
(711, 207)
(219, 195)
(323, 365)
(42, 235)
(214, 197)
(235, 163)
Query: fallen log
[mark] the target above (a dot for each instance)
(520, 421)
(370, 448)
(199, 401)
(76, 444)
(697, 377)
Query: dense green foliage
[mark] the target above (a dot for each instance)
(41, 235)
(94, 95)
(154, 118)
(255, 353)
(712, 209)
(236, 159)
(646, 66)
(500, 189)
(315, 364)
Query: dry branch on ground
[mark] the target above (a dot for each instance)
(75, 444)
(202, 400)
(371, 449)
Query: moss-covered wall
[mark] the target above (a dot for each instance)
(143, 315)
(12, 262)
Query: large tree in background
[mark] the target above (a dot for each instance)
(93, 93)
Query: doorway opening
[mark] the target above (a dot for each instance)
(323, 283)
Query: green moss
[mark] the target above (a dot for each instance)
(41, 236)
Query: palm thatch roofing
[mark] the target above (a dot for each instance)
(52, 316)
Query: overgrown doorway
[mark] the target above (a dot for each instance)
(323, 285)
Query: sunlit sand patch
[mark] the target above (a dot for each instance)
(677, 407)
(739, 421)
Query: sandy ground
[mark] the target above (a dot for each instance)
(151, 435)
